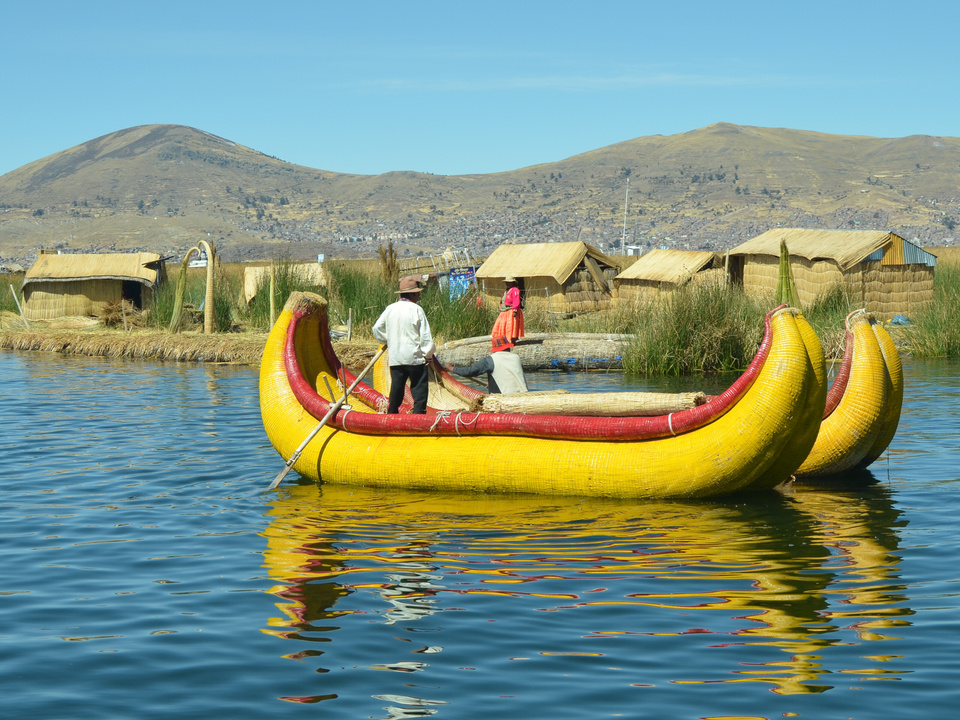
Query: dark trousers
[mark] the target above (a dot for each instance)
(419, 387)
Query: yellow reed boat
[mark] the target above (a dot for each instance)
(862, 409)
(753, 435)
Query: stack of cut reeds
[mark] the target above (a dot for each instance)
(613, 404)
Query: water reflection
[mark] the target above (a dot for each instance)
(779, 589)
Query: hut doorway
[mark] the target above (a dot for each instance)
(735, 269)
(132, 292)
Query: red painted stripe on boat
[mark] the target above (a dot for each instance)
(546, 426)
(839, 387)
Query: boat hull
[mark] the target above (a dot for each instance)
(863, 405)
(741, 448)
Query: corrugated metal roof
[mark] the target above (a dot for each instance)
(902, 253)
(846, 247)
(914, 255)
(553, 260)
(89, 266)
(673, 266)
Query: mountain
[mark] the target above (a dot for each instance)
(164, 187)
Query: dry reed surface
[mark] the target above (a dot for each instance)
(239, 348)
(236, 348)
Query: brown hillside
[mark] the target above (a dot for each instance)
(163, 187)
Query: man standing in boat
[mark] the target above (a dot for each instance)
(503, 368)
(404, 329)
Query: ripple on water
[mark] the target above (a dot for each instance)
(147, 576)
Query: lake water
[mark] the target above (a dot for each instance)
(146, 575)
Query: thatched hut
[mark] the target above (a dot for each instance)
(256, 277)
(879, 270)
(84, 284)
(663, 270)
(561, 277)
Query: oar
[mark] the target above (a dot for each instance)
(330, 413)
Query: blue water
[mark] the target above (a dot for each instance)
(146, 575)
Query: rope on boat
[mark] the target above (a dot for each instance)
(457, 420)
(440, 417)
(670, 424)
(443, 415)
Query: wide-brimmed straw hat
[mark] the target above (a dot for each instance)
(408, 284)
(509, 279)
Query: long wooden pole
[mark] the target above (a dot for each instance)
(17, 301)
(330, 413)
(273, 299)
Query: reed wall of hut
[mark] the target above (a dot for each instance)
(882, 289)
(578, 293)
(46, 300)
(641, 290)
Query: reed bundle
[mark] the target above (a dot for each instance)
(614, 404)
(355, 354)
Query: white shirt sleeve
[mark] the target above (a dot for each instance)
(427, 346)
(380, 326)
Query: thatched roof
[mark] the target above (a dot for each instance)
(82, 266)
(254, 277)
(670, 266)
(846, 247)
(553, 260)
(11, 267)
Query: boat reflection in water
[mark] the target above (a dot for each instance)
(785, 590)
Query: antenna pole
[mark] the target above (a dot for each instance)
(623, 237)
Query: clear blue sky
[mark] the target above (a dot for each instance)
(455, 87)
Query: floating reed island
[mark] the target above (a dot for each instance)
(544, 352)
(238, 348)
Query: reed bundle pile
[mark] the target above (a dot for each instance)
(121, 314)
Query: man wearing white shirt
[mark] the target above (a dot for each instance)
(404, 329)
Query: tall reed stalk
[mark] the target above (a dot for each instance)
(358, 289)
(366, 294)
(827, 314)
(288, 277)
(161, 308)
(455, 318)
(935, 331)
(7, 303)
(226, 291)
(699, 328)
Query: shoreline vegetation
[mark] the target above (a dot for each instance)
(700, 328)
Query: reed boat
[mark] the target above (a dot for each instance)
(863, 405)
(753, 435)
